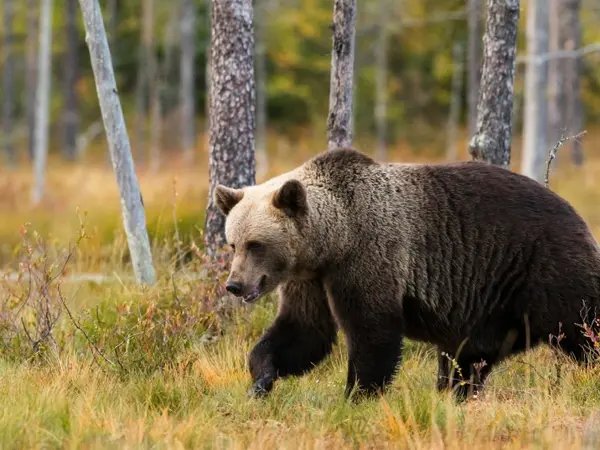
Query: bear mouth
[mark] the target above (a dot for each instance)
(256, 292)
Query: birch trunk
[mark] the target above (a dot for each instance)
(232, 107)
(474, 55)
(573, 70)
(455, 101)
(491, 141)
(556, 75)
(187, 84)
(31, 76)
(8, 101)
(134, 219)
(381, 64)
(42, 102)
(71, 115)
(339, 121)
(261, 91)
(535, 136)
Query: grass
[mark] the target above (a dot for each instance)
(165, 366)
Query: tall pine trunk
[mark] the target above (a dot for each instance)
(207, 75)
(144, 78)
(535, 136)
(339, 121)
(134, 218)
(153, 85)
(187, 84)
(7, 94)
(71, 113)
(491, 142)
(232, 107)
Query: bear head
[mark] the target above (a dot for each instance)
(263, 226)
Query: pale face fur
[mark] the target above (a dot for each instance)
(262, 227)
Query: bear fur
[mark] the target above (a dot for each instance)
(475, 259)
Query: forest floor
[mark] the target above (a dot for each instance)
(108, 364)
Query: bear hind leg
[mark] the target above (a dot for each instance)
(302, 336)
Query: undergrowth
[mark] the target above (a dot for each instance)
(100, 362)
(117, 365)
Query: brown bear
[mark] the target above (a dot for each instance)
(475, 259)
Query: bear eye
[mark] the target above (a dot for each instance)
(232, 247)
(253, 245)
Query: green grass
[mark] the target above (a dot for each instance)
(165, 366)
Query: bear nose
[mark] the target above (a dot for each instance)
(233, 287)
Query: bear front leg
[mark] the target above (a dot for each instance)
(372, 366)
(302, 335)
(373, 323)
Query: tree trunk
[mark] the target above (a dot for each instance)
(134, 218)
(171, 40)
(8, 101)
(155, 118)
(339, 121)
(535, 143)
(187, 84)
(474, 56)
(143, 80)
(491, 141)
(42, 101)
(556, 75)
(573, 71)
(455, 101)
(31, 76)
(261, 91)
(151, 68)
(113, 16)
(71, 113)
(232, 107)
(381, 64)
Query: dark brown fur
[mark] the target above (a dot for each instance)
(465, 256)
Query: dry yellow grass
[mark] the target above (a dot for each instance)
(182, 390)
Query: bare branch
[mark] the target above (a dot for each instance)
(560, 54)
(554, 150)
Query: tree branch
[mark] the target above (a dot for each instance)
(554, 150)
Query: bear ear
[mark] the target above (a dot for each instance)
(291, 198)
(226, 198)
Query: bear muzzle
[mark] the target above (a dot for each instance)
(247, 293)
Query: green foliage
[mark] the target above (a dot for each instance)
(298, 57)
